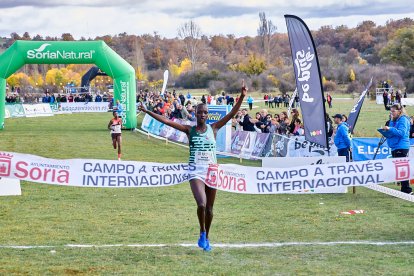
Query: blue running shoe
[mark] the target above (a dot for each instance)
(207, 247)
(202, 241)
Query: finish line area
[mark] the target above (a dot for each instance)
(218, 245)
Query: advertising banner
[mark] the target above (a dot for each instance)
(365, 148)
(223, 139)
(260, 143)
(289, 162)
(238, 141)
(37, 110)
(248, 146)
(276, 146)
(225, 177)
(299, 147)
(85, 107)
(308, 80)
(14, 110)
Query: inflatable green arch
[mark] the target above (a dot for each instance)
(73, 52)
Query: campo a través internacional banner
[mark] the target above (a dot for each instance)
(308, 80)
(226, 177)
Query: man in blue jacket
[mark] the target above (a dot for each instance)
(341, 139)
(397, 134)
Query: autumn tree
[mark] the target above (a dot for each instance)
(67, 37)
(254, 66)
(400, 49)
(220, 45)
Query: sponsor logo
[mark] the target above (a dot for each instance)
(225, 180)
(303, 63)
(5, 164)
(315, 133)
(124, 99)
(402, 169)
(212, 173)
(48, 173)
(43, 53)
(214, 116)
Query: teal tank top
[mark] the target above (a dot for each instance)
(202, 147)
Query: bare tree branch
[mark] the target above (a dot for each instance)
(265, 32)
(190, 32)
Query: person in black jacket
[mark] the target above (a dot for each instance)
(246, 121)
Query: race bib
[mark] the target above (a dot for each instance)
(116, 128)
(204, 157)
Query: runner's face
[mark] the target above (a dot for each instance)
(202, 113)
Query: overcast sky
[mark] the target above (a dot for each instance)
(90, 18)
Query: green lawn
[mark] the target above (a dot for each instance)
(57, 216)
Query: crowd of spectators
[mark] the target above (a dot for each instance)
(177, 105)
(279, 101)
(30, 98)
(264, 122)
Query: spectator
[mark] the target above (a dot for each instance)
(182, 98)
(276, 101)
(398, 97)
(246, 121)
(397, 134)
(213, 100)
(270, 101)
(220, 100)
(203, 99)
(341, 139)
(98, 98)
(105, 97)
(274, 126)
(267, 123)
(295, 115)
(329, 99)
(266, 99)
(250, 102)
(191, 112)
(283, 123)
(234, 121)
(230, 101)
(119, 108)
(297, 100)
(286, 100)
(298, 128)
(258, 124)
(329, 125)
(385, 98)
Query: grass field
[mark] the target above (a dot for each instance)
(57, 216)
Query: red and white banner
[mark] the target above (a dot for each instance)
(227, 177)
